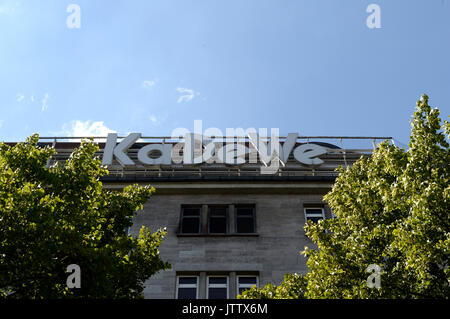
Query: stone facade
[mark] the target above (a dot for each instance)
(269, 253)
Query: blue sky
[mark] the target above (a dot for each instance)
(306, 66)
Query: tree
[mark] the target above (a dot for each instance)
(393, 212)
(293, 287)
(53, 217)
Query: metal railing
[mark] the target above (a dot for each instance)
(336, 155)
(223, 137)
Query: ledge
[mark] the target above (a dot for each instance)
(219, 235)
(208, 178)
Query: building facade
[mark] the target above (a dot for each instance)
(229, 226)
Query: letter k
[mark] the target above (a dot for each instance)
(119, 150)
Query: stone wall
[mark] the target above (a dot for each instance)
(270, 253)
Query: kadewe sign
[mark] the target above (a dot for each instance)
(271, 153)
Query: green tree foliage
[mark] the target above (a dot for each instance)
(293, 287)
(61, 215)
(393, 210)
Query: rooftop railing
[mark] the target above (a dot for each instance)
(337, 154)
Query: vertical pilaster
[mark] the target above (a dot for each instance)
(232, 285)
(231, 224)
(204, 219)
(202, 285)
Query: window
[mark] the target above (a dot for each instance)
(314, 214)
(215, 220)
(187, 287)
(213, 285)
(218, 220)
(246, 282)
(190, 220)
(245, 219)
(217, 287)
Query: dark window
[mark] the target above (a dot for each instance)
(187, 293)
(187, 287)
(190, 220)
(217, 280)
(245, 219)
(314, 219)
(246, 282)
(187, 280)
(314, 214)
(218, 220)
(217, 287)
(217, 293)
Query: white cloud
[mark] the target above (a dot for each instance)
(146, 84)
(1, 123)
(44, 102)
(20, 97)
(87, 128)
(83, 129)
(186, 94)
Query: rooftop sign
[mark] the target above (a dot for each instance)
(197, 149)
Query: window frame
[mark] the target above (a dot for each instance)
(227, 219)
(333, 215)
(199, 217)
(217, 285)
(315, 214)
(178, 285)
(236, 207)
(247, 286)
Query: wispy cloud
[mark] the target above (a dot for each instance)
(44, 102)
(186, 94)
(146, 84)
(22, 98)
(1, 123)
